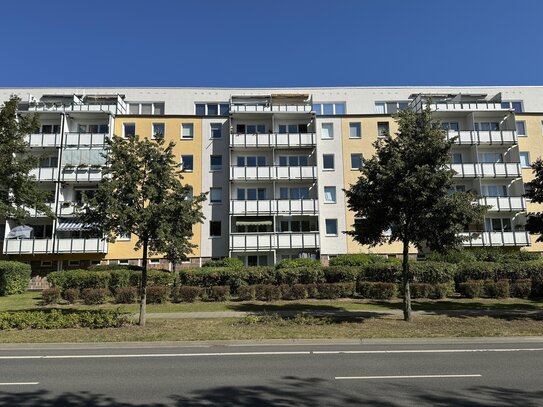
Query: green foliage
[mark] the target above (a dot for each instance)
(477, 271)
(50, 296)
(267, 292)
(294, 292)
(228, 262)
(247, 292)
(111, 267)
(94, 296)
(57, 319)
(340, 274)
(472, 288)
(295, 263)
(497, 289)
(158, 294)
(535, 194)
(521, 288)
(333, 291)
(381, 272)
(126, 295)
(71, 295)
(299, 275)
(421, 290)
(358, 259)
(377, 290)
(14, 277)
(432, 272)
(186, 293)
(485, 254)
(219, 293)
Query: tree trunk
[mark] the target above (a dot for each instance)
(405, 283)
(143, 286)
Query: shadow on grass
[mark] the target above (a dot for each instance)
(293, 391)
(267, 307)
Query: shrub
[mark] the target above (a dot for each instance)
(94, 296)
(521, 288)
(421, 290)
(477, 271)
(14, 277)
(312, 291)
(109, 267)
(333, 291)
(158, 294)
(452, 256)
(342, 274)
(219, 293)
(432, 272)
(358, 259)
(442, 290)
(71, 295)
(294, 292)
(389, 272)
(259, 275)
(295, 263)
(247, 292)
(162, 277)
(126, 295)
(186, 293)
(267, 292)
(227, 262)
(497, 289)
(50, 296)
(377, 290)
(472, 288)
(119, 279)
(299, 275)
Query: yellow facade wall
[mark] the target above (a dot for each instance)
(364, 145)
(173, 127)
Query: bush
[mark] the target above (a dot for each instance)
(358, 259)
(432, 272)
(442, 290)
(247, 292)
(377, 290)
(294, 292)
(521, 288)
(94, 296)
(109, 267)
(299, 275)
(227, 262)
(295, 263)
(14, 277)
(332, 291)
(389, 272)
(50, 296)
(472, 288)
(158, 294)
(477, 271)
(126, 295)
(421, 290)
(119, 279)
(71, 295)
(497, 289)
(56, 319)
(267, 292)
(186, 293)
(219, 293)
(452, 256)
(79, 279)
(312, 291)
(342, 274)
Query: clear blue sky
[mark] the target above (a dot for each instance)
(265, 43)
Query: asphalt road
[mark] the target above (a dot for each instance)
(403, 373)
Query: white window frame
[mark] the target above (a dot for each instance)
(527, 155)
(525, 134)
(211, 131)
(330, 129)
(153, 107)
(379, 135)
(190, 127)
(211, 169)
(333, 195)
(216, 190)
(357, 127)
(123, 262)
(361, 161)
(153, 133)
(182, 162)
(326, 227)
(124, 128)
(154, 261)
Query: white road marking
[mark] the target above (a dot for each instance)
(19, 384)
(426, 376)
(278, 353)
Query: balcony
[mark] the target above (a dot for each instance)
(504, 204)
(473, 137)
(270, 108)
(273, 140)
(76, 107)
(85, 139)
(43, 139)
(272, 173)
(487, 170)
(45, 173)
(81, 174)
(51, 246)
(466, 106)
(273, 241)
(33, 213)
(480, 239)
(275, 207)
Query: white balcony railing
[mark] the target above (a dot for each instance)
(82, 174)
(45, 173)
(504, 204)
(472, 137)
(85, 139)
(272, 173)
(43, 139)
(275, 206)
(76, 107)
(272, 241)
(520, 238)
(269, 140)
(48, 246)
(488, 170)
(466, 106)
(270, 107)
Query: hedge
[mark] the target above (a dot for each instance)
(228, 262)
(484, 254)
(14, 277)
(359, 259)
(295, 263)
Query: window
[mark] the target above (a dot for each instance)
(458, 188)
(516, 106)
(50, 128)
(355, 130)
(187, 163)
(158, 130)
(382, 129)
(154, 261)
(456, 158)
(525, 159)
(331, 227)
(123, 262)
(356, 161)
(215, 195)
(329, 108)
(390, 107)
(487, 126)
(494, 190)
(328, 161)
(46, 263)
(216, 162)
(521, 128)
(292, 128)
(251, 194)
(73, 262)
(527, 188)
(251, 128)
(450, 126)
(215, 228)
(129, 129)
(498, 224)
(190, 192)
(98, 128)
(149, 108)
(330, 194)
(294, 193)
(125, 236)
(187, 131)
(251, 161)
(253, 260)
(327, 132)
(216, 130)
(490, 158)
(211, 109)
(293, 161)
(296, 226)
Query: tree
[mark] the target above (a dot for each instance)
(535, 194)
(141, 193)
(405, 189)
(18, 189)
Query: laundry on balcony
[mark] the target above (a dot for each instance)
(253, 223)
(20, 232)
(71, 226)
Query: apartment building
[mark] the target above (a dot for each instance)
(274, 162)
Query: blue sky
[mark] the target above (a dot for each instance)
(265, 43)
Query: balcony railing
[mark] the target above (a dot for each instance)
(45, 173)
(49, 246)
(275, 206)
(43, 139)
(273, 241)
(488, 170)
(270, 107)
(85, 139)
(75, 107)
(273, 140)
(467, 106)
(520, 238)
(504, 204)
(472, 137)
(81, 174)
(272, 173)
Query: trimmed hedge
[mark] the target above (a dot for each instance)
(126, 295)
(109, 267)
(94, 296)
(186, 293)
(377, 290)
(158, 294)
(14, 277)
(295, 263)
(228, 262)
(483, 254)
(359, 259)
(50, 296)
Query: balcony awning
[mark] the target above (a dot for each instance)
(253, 223)
(71, 226)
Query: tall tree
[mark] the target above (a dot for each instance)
(18, 189)
(535, 194)
(141, 193)
(405, 189)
